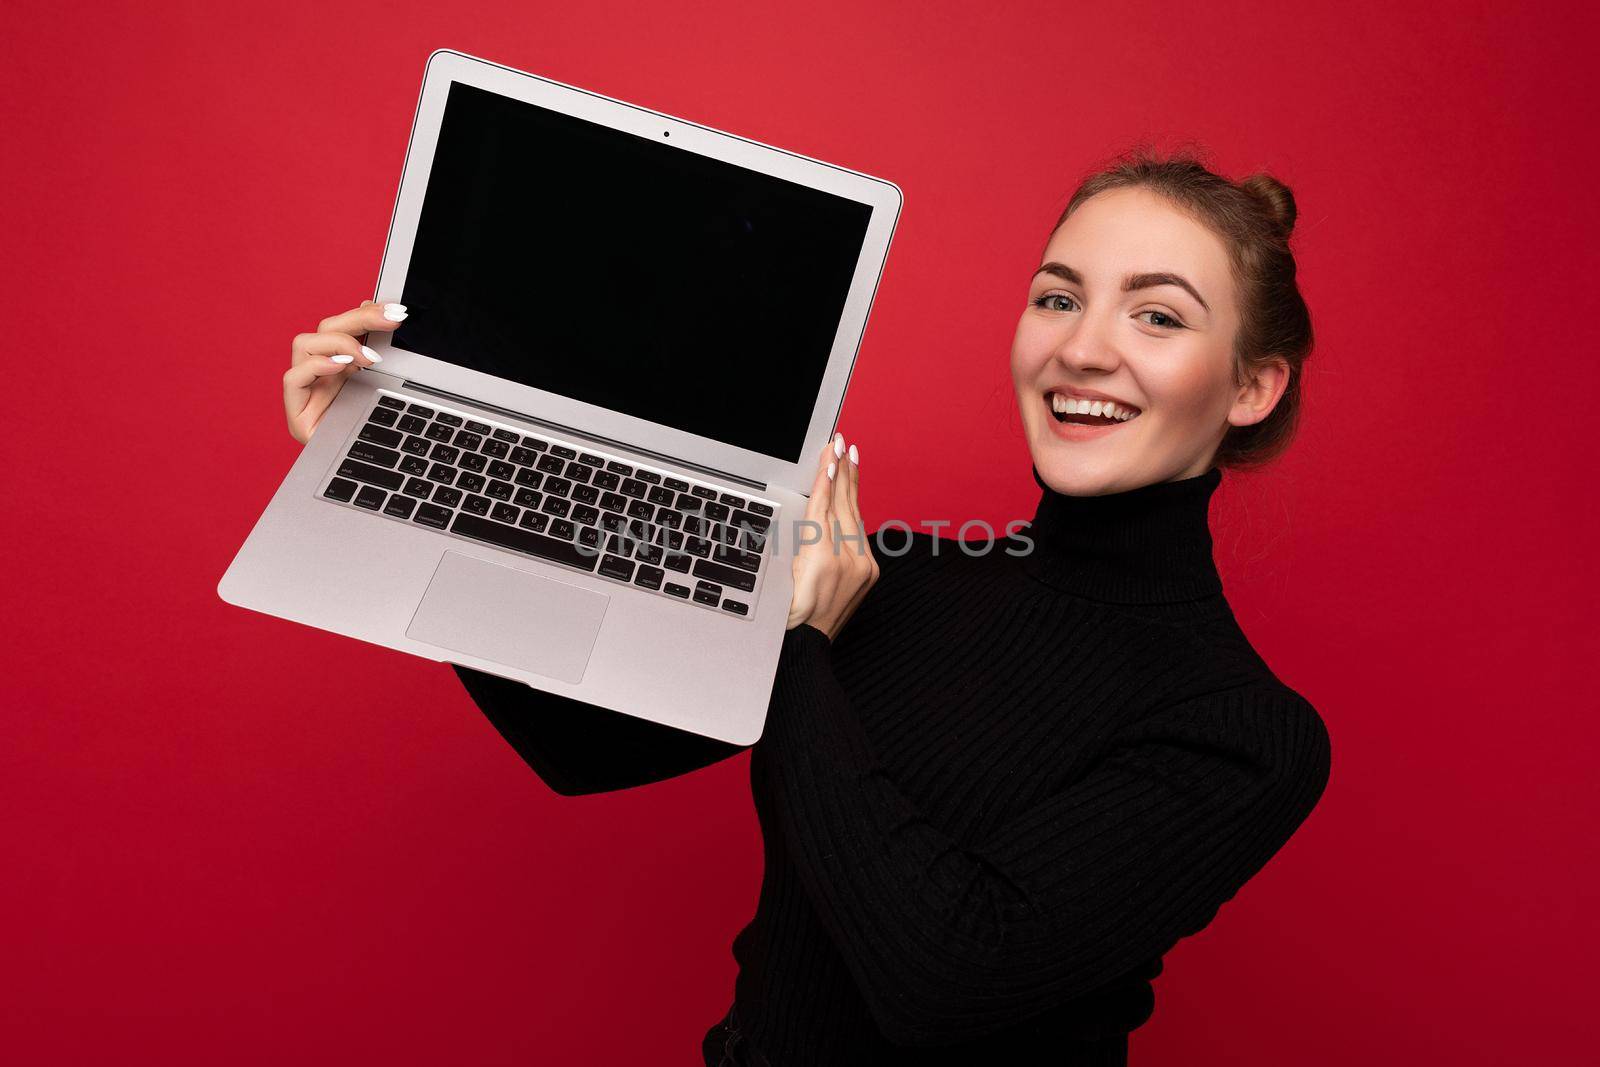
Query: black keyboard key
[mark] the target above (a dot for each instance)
(557, 486)
(414, 465)
(528, 477)
(499, 468)
(578, 472)
(478, 505)
(589, 537)
(649, 577)
(555, 505)
(704, 568)
(419, 488)
(618, 467)
(392, 402)
(505, 513)
(591, 459)
(535, 444)
(446, 497)
(534, 520)
(677, 590)
(649, 554)
(497, 449)
(758, 523)
(677, 485)
(619, 544)
(616, 567)
(519, 539)
(585, 494)
(418, 409)
(445, 453)
(605, 479)
(563, 528)
(718, 512)
(527, 498)
(731, 500)
(507, 436)
(551, 464)
(641, 509)
(399, 506)
(673, 539)
(563, 451)
(688, 503)
(611, 522)
(613, 501)
(468, 441)
(736, 607)
(704, 491)
(732, 557)
(438, 431)
(525, 456)
(479, 428)
(416, 446)
(648, 476)
(366, 472)
(669, 518)
(633, 487)
(383, 416)
(697, 524)
(473, 461)
(368, 452)
(432, 515)
(677, 561)
(439, 472)
(379, 435)
(697, 546)
(447, 419)
(758, 507)
(499, 490)
(711, 595)
(472, 483)
(661, 495)
(340, 489)
(411, 424)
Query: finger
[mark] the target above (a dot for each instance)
(849, 509)
(300, 377)
(371, 315)
(821, 495)
(315, 345)
(840, 506)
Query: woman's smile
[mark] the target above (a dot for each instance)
(1076, 416)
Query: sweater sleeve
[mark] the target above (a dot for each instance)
(949, 941)
(577, 748)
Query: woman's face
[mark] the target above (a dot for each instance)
(1134, 304)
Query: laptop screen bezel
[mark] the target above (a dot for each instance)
(446, 67)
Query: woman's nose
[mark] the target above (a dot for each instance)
(1088, 347)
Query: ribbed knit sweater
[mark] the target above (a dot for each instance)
(1024, 770)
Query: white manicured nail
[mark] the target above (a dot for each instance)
(370, 354)
(343, 359)
(855, 457)
(838, 444)
(830, 472)
(394, 312)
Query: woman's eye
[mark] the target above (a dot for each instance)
(1168, 323)
(1042, 301)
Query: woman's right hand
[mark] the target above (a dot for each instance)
(320, 362)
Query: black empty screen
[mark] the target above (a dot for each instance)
(627, 273)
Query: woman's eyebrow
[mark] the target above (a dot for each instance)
(1147, 280)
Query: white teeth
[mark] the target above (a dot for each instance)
(1067, 405)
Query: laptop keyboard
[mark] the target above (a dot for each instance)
(424, 464)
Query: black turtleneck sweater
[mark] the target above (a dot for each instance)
(1024, 770)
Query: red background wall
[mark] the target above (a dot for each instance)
(231, 839)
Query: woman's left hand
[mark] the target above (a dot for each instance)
(832, 575)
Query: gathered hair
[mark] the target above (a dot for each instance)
(1255, 217)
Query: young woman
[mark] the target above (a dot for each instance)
(1029, 765)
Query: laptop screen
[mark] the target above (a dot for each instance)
(626, 273)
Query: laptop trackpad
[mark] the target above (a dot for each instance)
(509, 616)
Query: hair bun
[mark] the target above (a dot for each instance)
(1275, 199)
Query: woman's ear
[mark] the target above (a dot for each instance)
(1258, 396)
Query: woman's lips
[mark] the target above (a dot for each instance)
(1077, 431)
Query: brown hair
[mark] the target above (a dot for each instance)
(1254, 216)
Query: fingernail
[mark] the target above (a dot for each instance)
(370, 354)
(838, 444)
(394, 312)
(855, 457)
(830, 472)
(343, 359)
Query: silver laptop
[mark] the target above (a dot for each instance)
(580, 461)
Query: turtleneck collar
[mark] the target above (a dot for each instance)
(1142, 546)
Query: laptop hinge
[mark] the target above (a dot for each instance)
(573, 431)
